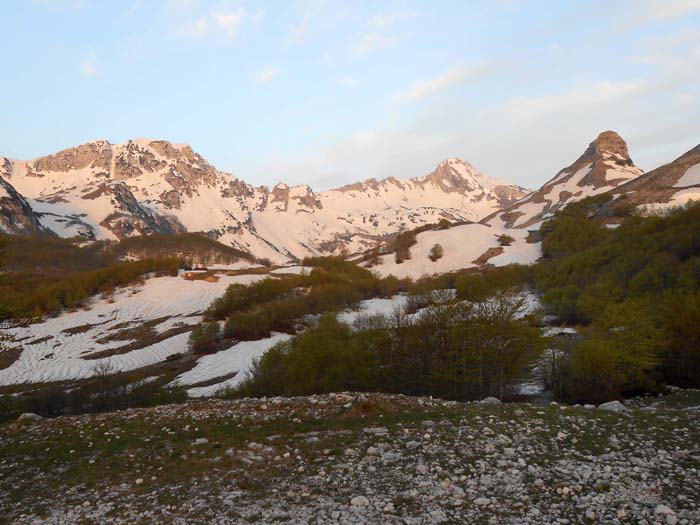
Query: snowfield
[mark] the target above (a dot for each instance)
(373, 307)
(239, 359)
(56, 349)
(690, 178)
(462, 246)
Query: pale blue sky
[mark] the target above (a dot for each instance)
(326, 92)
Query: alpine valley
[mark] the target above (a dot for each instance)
(180, 346)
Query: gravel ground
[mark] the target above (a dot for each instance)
(358, 458)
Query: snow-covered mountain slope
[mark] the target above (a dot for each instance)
(465, 246)
(604, 166)
(105, 191)
(666, 187)
(138, 327)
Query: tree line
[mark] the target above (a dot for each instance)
(454, 350)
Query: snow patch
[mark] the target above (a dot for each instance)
(239, 359)
(690, 178)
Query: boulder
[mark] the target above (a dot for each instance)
(29, 416)
(613, 406)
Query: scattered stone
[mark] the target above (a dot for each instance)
(548, 464)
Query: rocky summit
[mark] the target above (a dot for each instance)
(358, 458)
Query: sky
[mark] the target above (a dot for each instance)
(325, 92)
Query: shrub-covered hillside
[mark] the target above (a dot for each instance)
(636, 287)
(45, 274)
(453, 350)
(191, 246)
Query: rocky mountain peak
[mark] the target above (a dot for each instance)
(604, 165)
(609, 145)
(458, 173)
(96, 154)
(609, 161)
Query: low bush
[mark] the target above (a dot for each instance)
(205, 337)
(505, 240)
(436, 252)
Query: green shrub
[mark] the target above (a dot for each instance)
(249, 326)
(205, 338)
(505, 240)
(436, 252)
(562, 302)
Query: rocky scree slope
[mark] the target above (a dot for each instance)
(105, 191)
(358, 458)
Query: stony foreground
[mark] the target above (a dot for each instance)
(357, 459)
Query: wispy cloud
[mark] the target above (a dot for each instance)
(89, 66)
(650, 11)
(135, 6)
(266, 75)
(453, 76)
(61, 4)
(229, 21)
(222, 22)
(377, 33)
(520, 138)
(313, 18)
(299, 31)
(347, 81)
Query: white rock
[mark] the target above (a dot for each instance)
(200, 441)
(667, 513)
(613, 406)
(490, 401)
(29, 416)
(359, 501)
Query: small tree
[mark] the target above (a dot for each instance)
(505, 239)
(436, 252)
(205, 337)
(402, 246)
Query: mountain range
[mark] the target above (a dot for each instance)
(104, 191)
(101, 190)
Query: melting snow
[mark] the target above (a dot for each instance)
(373, 307)
(462, 245)
(239, 358)
(61, 355)
(690, 178)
